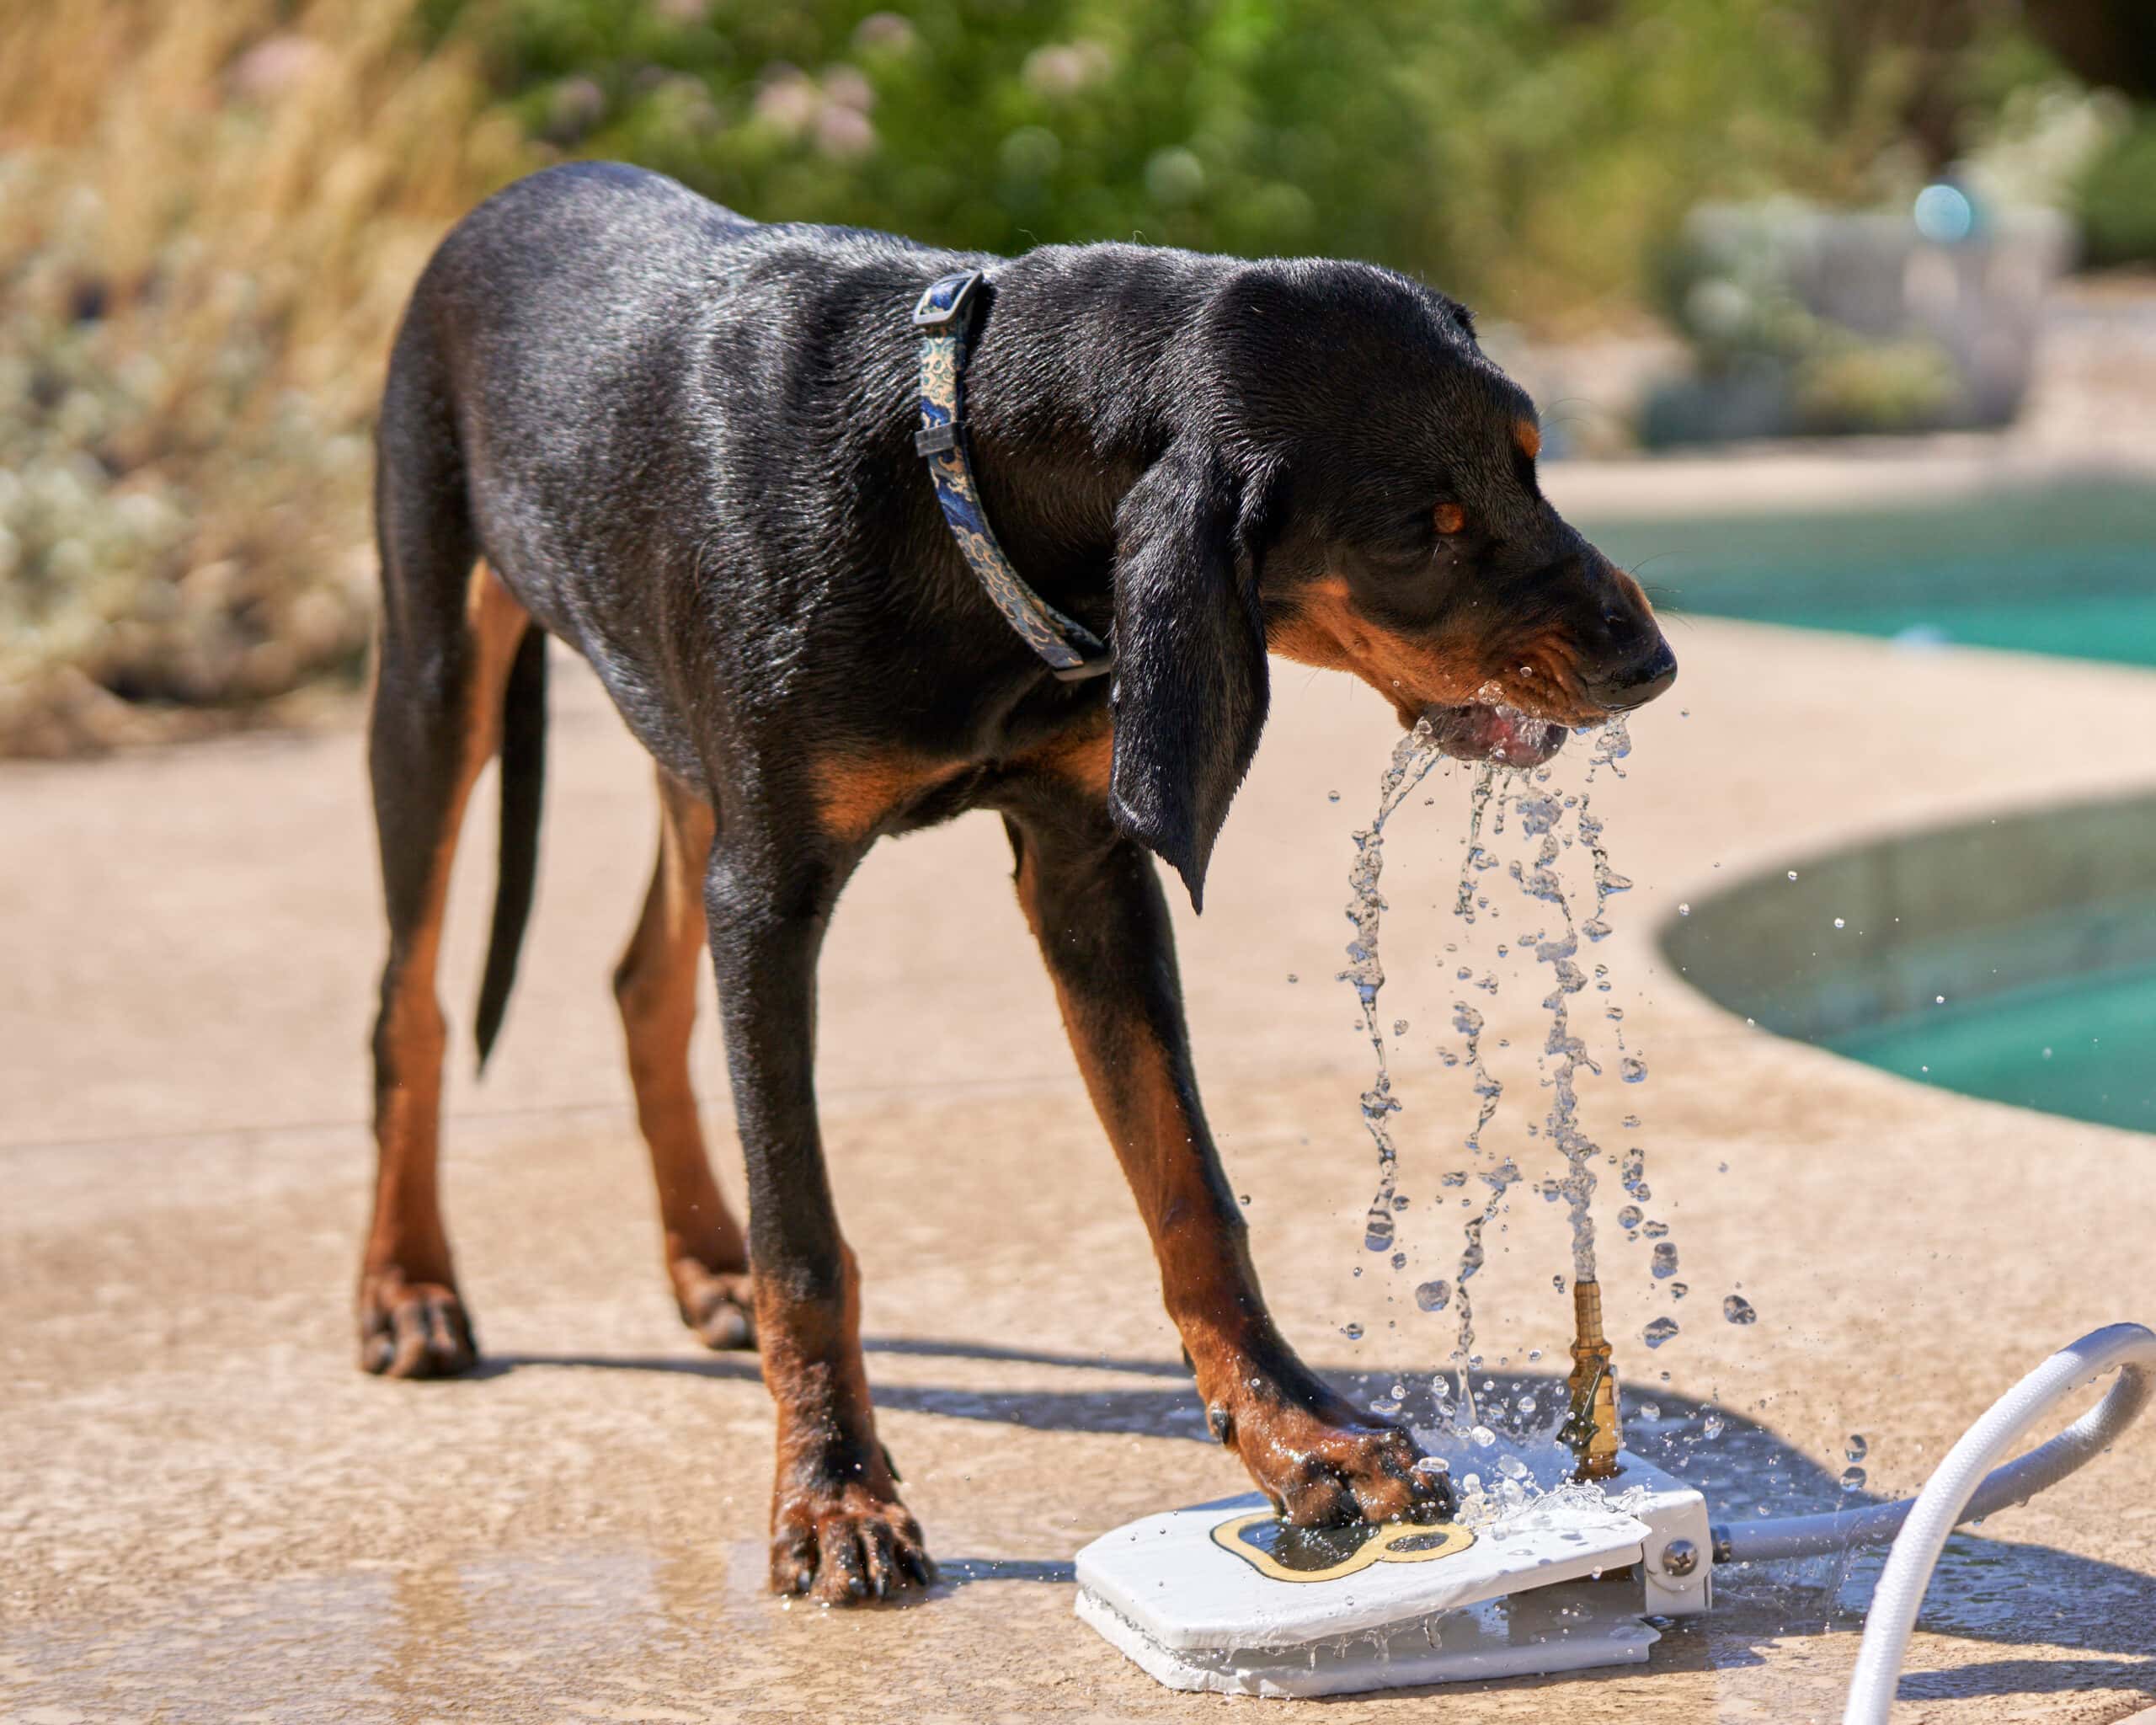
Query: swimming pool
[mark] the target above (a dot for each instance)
(2068, 570)
(2015, 958)
(2084, 1048)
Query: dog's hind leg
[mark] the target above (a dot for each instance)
(706, 1258)
(451, 633)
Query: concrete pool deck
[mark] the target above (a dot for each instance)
(207, 1513)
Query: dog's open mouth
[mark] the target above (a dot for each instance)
(1493, 732)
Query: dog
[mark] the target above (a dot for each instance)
(683, 443)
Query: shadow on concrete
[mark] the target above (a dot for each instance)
(1984, 1590)
(959, 1572)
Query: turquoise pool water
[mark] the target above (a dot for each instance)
(2070, 570)
(2039, 932)
(2084, 1048)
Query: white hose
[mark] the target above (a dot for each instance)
(1961, 1491)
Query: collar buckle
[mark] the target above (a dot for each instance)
(946, 302)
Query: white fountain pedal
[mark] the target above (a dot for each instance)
(1223, 1597)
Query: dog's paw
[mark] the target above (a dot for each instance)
(413, 1329)
(719, 1305)
(845, 1544)
(1328, 1465)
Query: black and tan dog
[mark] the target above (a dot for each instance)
(683, 443)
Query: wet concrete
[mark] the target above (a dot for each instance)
(207, 1513)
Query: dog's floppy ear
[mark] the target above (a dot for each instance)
(1190, 682)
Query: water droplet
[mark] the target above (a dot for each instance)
(1649, 1412)
(1632, 1069)
(1481, 1436)
(1629, 1217)
(1660, 1331)
(1353, 1332)
(1665, 1260)
(1853, 1479)
(1334, 797)
(1738, 1310)
(1712, 1426)
(1678, 1290)
(1292, 977)
(1684, 910)
(1513, 1467)
(1433, 1296)
(1856, 1449)
(1400, 1027)
(1244, 1200)
(1792, 875)
(1838, 923)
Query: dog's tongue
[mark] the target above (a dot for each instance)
(1503, 734)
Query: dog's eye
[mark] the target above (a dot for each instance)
(1449, 519)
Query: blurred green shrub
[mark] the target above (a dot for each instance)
(171, 525)
(1523, 151)
(1807, 321)
(2115, 200)
(209, 215)
(210, 211)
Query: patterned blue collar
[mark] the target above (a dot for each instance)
(1071, 650)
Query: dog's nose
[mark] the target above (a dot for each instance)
(1638, 681)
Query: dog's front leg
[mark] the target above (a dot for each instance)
(1095, 908)
(838, 1528)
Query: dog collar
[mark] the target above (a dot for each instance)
(1070, 650)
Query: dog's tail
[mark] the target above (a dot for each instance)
(524, 778)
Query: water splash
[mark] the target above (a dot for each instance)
(1489, 1091)
(1564, 1053)
(1486, 777)
(1412, 761)
(1559, 926)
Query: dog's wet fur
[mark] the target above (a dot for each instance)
(681, 442)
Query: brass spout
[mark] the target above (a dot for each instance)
(1591, 1429)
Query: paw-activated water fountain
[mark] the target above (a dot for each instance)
(1558, 1568)
(1197, 1597)
(1225, 1596)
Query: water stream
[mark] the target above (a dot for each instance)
(1547, 822)
(1412, 761)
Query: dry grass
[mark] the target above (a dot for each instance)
(210, 214)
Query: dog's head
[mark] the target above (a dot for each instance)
(1353, 486)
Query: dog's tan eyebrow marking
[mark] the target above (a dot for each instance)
(1528, 436)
